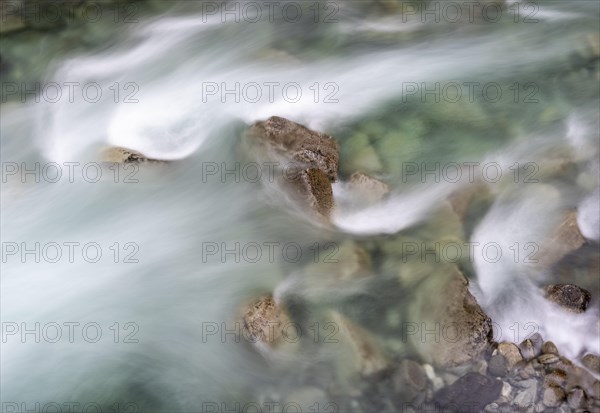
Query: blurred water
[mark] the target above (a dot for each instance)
(171, 212)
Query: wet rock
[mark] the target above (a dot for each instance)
(313, 187)
(464, 329)
(549, 348)
(308, 159)
(553, 396)
(576, 398)
(123, 155)
(10, 22)
(497, 366)
(527, 396)
(531, 347)
(568, 296)
(363, 354)
(566, 238)
(464, 198)
(581, 377)
(556, 378)
(264, 321)
(471, 392)
(287, 140)
(548, 359)
(511, 353)
(410, 379)
(369, 189)
(592, 362)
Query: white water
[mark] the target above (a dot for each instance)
(170, 213)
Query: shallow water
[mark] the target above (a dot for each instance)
(368, 66)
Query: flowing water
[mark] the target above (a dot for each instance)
(370, 63)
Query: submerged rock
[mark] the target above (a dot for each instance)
(118, 154)
(369, 189)
(592, 362)
(460, 330)
(566, 238)
(568, 296)
(470, 393)
(308, 159)
(361, 352)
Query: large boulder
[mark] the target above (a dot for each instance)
(306, 160)
(453, 329)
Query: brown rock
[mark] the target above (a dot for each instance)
(118, 154)
(370, 190)
(553, 396)
(511, 353)
(314, 188)
(465, 330)
(565, 239)
(410, 379)
(462, 199)
(548, 359)
(592, 362)
(264, 321)
(308, 159)
(549, 348)
(288, 140)
(556, 378)
(568, 296)
(365, 354)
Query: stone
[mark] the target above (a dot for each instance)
(527, 349)
(511, 353)
(463, 198)
(568, 296)
(370, 190)
(506, 390)
(592, 362)
(565, 239)
(117, 154)
(556, 378)
(11, 23)
(308, 159)
(313, 187)
(527, 396)
(549, 348)
(497, 366)
(531, 347)
(576, 398)
(548, 359)
(363, 354)
(553, 396)
(410, 379)
(288, 140)
(471, 392)
(264, 321)
(467, 327)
